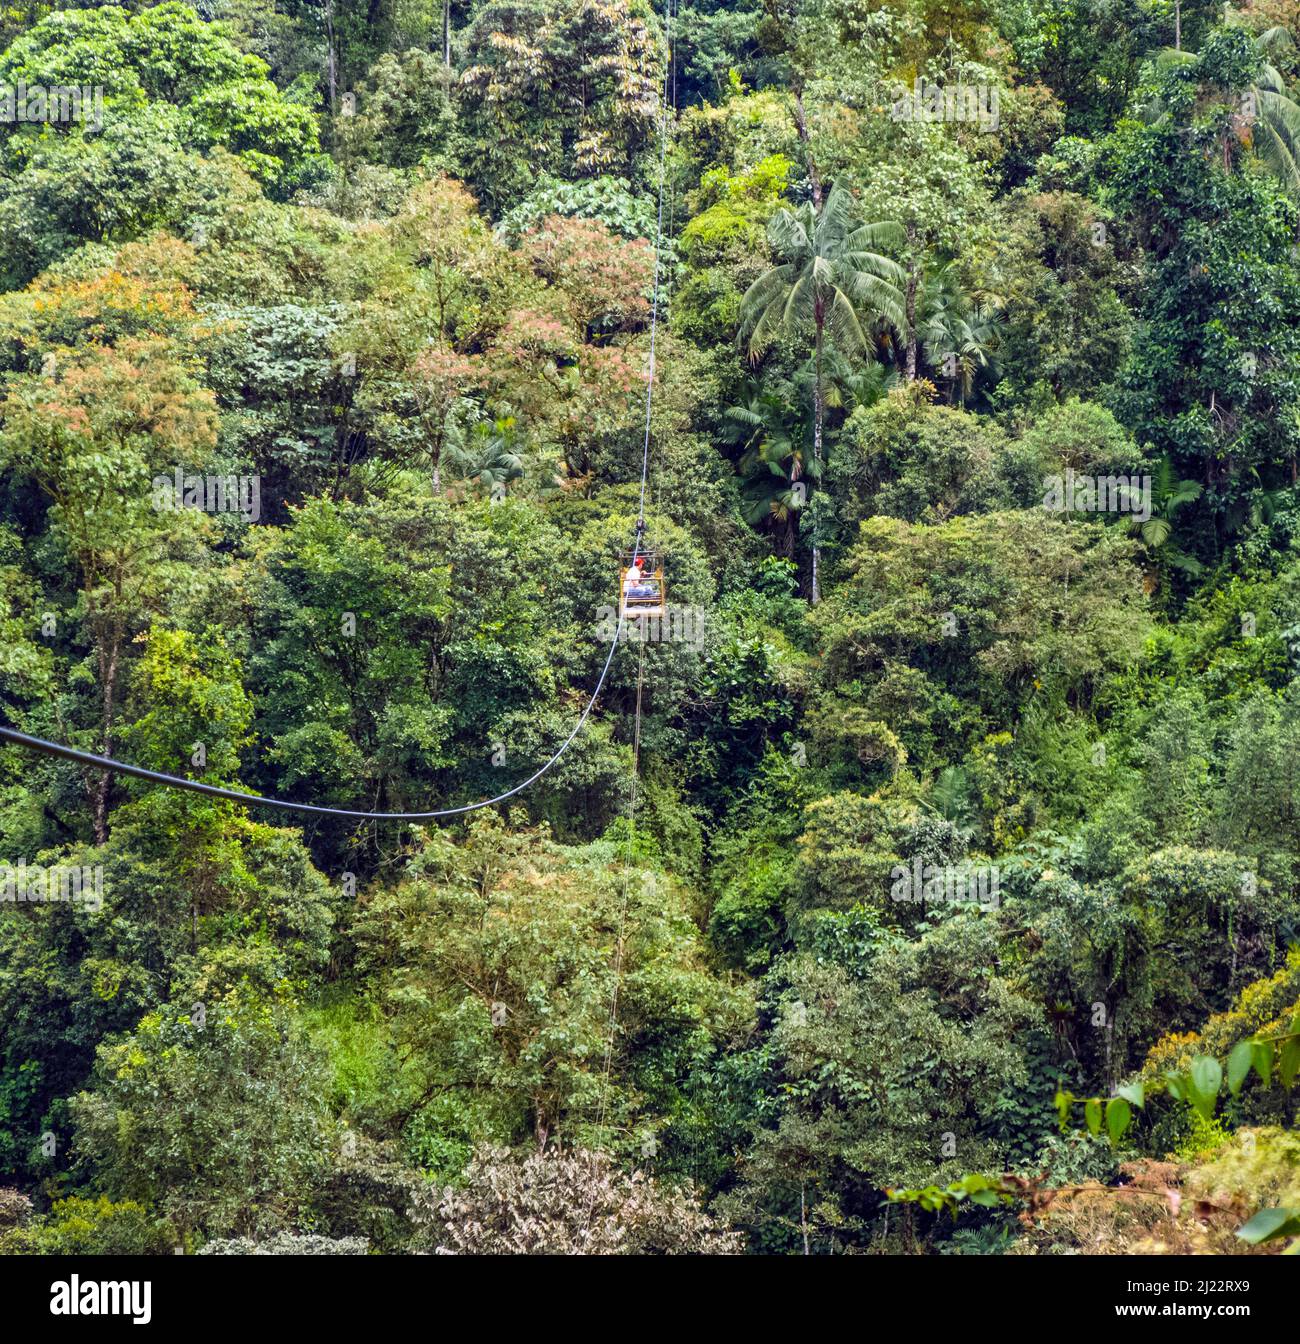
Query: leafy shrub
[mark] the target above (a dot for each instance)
(565, 1203)
(78, 1226)
(287, 1243)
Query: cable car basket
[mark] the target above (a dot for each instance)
(644, 595)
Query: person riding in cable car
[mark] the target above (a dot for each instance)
(642, 591)
(637, 586)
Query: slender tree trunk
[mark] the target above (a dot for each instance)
(1110, 1042)
(818, 416)
(331, 61)
(913, 275)
(109, 654)
(446, 33)
(1178, 25)
(814, 177)
(801, 127)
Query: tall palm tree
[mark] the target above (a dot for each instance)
(829, 280)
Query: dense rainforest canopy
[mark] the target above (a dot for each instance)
(925, 878)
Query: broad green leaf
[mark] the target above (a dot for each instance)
(1134, 1093)
(1288, 1061)
(1269, 1224)
(1205, 1078)
(1119, 1115)
(1092, 1114)
(1262, 1059)
(1239, 1062)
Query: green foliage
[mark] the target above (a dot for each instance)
(529, 64)
(1218, 243)
(988, 1192)
(78, 1226)
(406, 118)
(951, 630)
(1067, 328)
(610, 200)
(166, 57)
(739, 207)
(1199, 1085)
(682, 991)
(286, 1243)
(499, 986)
(923, 463)
(217, 1121)
(885, 1070)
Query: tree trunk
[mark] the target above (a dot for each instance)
(913, 276)
(814, 178)
(109, 653)
(109, 632)
(331, 62)
(801, 127)
(818, 415)
(446, 33)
